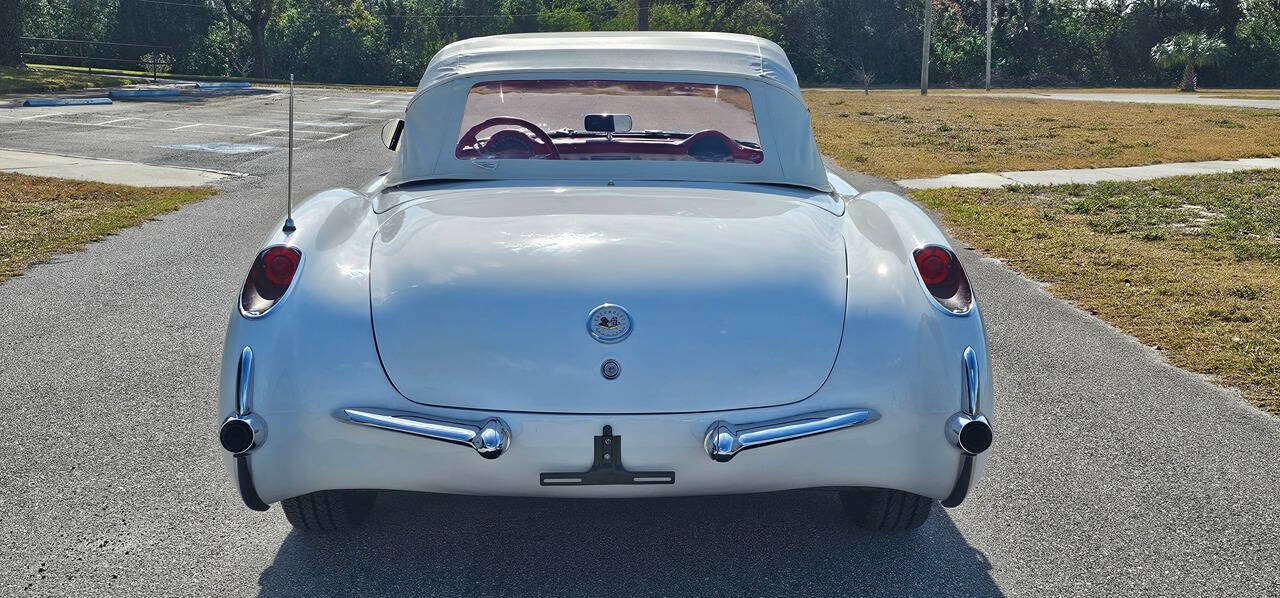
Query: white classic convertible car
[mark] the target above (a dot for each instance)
(593, 238)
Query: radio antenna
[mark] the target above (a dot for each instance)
(288, 219)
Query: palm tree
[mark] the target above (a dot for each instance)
(1190, 50)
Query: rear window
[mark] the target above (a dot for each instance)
(609, 120)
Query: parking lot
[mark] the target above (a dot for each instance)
(1113, 473)
(222, 130)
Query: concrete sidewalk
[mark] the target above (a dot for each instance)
(993, 180)
(106, 171)
(1150, 98)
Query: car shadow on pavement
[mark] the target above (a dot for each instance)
(760, 544)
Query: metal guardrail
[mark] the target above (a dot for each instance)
(85, 53)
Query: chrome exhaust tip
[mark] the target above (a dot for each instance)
(970, 433)
(242, 434)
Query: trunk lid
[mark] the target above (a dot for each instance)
(480, 298)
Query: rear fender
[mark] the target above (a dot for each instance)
(316, 344)
(899, 351)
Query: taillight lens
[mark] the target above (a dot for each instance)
(944, 278)
(278, 265)
(269, 279)
(934, 264)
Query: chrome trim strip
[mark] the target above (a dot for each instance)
(244, 379)
(724, 440)
(490, 439)
(972, 404)
(970, 413)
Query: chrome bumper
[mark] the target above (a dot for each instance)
(724, 440)
(490, 438)
(968, 430)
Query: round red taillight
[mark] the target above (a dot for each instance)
(271, 276)
(944, 278)
(934, 264)
(279, 264)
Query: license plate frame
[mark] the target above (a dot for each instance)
(607, 468)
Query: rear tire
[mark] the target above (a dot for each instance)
(883, 510)
(329, 510)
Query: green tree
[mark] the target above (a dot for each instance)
(1189, 50)
(11, 33)
(255, 15)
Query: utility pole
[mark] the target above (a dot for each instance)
(988, 45)
(642, 15)
(924, 58)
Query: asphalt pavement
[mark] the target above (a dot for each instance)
(1113, 473)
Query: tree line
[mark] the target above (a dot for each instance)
(830, 42)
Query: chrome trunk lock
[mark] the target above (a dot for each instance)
(610, 369)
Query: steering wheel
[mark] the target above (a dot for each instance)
(545, 145)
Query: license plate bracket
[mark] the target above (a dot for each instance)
(607, 469)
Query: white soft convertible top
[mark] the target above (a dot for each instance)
(433, 116)
(614, 51)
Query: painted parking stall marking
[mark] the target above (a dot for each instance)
(220, 147)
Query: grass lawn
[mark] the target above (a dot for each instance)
(147, 76)
(16, 80)
(1190, 264)
(899, 135)
(41, 216)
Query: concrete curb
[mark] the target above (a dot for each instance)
(994, 180)
(143, 93)
(85, 168)
(66, 101)
(223, 84)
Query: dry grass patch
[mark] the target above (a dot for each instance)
(900, 135)
(18, 80)
(41, 216)
(1190, 265)
(144, 76)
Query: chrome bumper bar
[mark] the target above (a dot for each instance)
(968, 430)
(724, 440)
(490, 438)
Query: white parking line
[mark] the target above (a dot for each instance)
(184, 127)
(343, 116)
(338, 136)
(302, 135)
(364, 100)
(63, 122)
(41, 115)
(374, 102)
(341, 110)
(114, 120)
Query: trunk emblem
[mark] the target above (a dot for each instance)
(610, 369)
(609, 323)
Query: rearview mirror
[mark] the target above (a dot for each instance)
(607, 123)
(391, 133)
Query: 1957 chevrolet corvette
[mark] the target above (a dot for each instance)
(605, 265)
